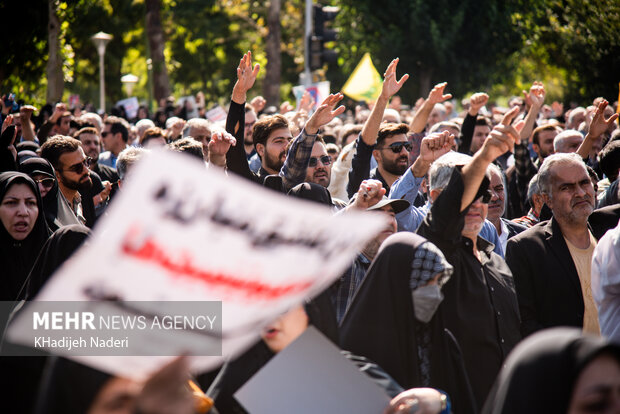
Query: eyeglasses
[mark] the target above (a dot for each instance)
(397, 147)
(46, 182)
(325, 160)
(105, 134)
(79, 168)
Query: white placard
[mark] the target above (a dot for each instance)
(180, 232)
(311, 376)
(131, 106)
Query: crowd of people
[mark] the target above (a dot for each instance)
(494, 287)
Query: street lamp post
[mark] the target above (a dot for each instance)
(129, 81)
(101, 40)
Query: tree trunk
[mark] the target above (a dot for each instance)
(55, 80)
(271, 85)
(155, 33)
(425, 81)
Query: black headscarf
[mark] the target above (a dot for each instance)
(540, 373)
(312, 192)
(18, 257)
(58, 248)
(57, 212)
(27, 145)
(20, 374)
(380, 324)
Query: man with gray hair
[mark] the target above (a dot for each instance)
(200, 130)
(535, 200)
(497, 206)
(567, 141)
(551, 261)
(126, 160)
(142, 126)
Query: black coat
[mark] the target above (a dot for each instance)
(546, 279)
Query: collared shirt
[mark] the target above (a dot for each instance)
(255, 162)
(348, 284)
(107, 158)
(480, 305)
(407, 187)
(606, 283)
(76, 207)
(503, 238)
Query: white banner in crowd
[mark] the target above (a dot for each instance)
(319, 92)
(180, 232)
(131, 106)
(216, 114)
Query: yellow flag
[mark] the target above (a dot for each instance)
(365, 83)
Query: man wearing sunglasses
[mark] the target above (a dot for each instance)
(319, 169)
(115, 135)
(480, 306)
(388, 144)
(73, 175)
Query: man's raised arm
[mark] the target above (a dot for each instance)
(598, 126)
(435, 96)
(390, 87)
(236, 159)
(501, 139)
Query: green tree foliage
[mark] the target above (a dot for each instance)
(203, 47)
(464, 42)
(494, 45)
(82, 19)
(582, 38)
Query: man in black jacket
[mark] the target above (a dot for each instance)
(551, 261)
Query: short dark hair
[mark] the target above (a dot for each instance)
(538, 130)
(389, 130)
(85, 130)
(483, 121)
(57, 145)
(117, 125)
(609, 159)
(347, 130)
(64, 115)
(264, 127)
(187, 145)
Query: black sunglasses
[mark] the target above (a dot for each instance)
(325, 160)
(79, 168)
(46, 182)
(487, 196)
(397, 147)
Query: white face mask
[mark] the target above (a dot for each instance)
(426, 299)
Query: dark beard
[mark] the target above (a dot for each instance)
(79, 185)
(394, 168)
(85, 186)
